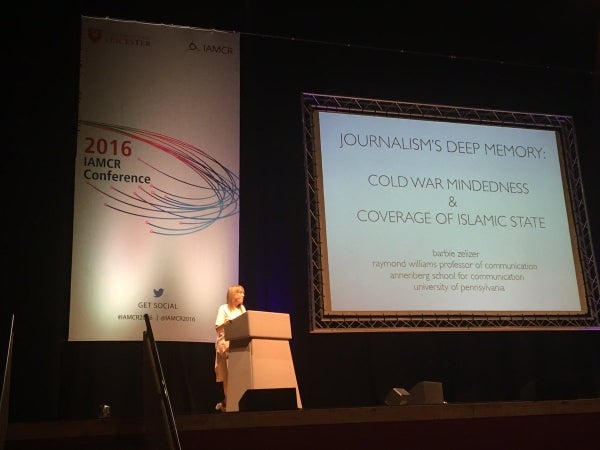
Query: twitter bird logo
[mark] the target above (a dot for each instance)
(158, 292)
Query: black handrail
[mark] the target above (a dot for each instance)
(4, 397)
(160, 426)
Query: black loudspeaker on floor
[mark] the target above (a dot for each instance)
(422, 393)
(268, 399)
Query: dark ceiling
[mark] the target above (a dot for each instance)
(563, 34)
(551, 33)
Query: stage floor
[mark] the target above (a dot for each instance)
(551, 424)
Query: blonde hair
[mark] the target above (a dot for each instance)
(231, 291)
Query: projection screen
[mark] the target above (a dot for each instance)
(432, 217)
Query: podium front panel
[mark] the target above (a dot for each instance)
(259, 364)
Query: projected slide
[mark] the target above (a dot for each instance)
(438, 217)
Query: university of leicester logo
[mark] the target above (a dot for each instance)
(95, 34)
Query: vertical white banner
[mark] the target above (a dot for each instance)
(156, 181)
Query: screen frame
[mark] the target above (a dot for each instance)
(323, 319)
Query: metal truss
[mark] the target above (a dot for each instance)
(322, 321)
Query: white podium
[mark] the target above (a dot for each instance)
(259, 355)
